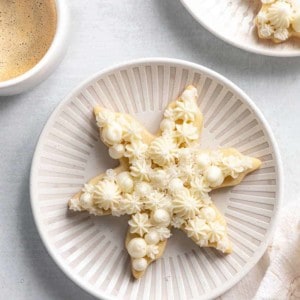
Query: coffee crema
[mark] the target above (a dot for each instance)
(27, 29)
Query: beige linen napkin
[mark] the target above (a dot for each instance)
(277, 275)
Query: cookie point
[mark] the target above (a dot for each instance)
(97, 109)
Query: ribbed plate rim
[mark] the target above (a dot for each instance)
(245, 47)
(175, 62)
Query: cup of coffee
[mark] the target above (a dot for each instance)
(33, 40)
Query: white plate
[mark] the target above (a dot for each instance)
(90, 250)
(232, 21)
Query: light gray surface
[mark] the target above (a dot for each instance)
(104, 33)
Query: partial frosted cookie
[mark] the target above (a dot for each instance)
(278, 20)
(163, 181)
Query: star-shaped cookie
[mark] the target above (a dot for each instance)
(278, 20)
(163, 180)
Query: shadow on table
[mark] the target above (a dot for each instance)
(45, 273)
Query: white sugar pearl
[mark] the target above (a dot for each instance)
(296, 23)
(117, 151)
(214, 176)
(125, 182)
(175, 185)
(208, 213)
(139, 264)
(202, 160)
(167, 125)
(159, 178)
(161, 217)
(86, 199)
(184, 155)
(112, 134)
(137, 248)
(143, 189)
(152, 237)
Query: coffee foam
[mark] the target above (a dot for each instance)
(27, 29)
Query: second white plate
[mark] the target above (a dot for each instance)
(232, 21)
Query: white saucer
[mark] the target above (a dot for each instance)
(232, 21)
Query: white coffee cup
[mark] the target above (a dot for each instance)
(49, 62)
